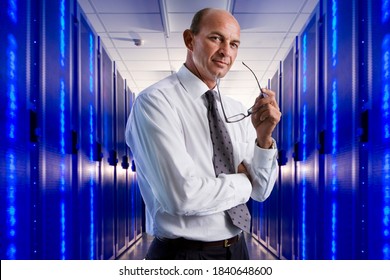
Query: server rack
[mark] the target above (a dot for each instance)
(286, 153)
(273, 229)
(18, 178)
(54, 126)
(58, 179)
(376, 122)
(109, 161)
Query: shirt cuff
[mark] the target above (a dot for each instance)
(263, 158)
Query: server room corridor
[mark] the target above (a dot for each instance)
(70, 72)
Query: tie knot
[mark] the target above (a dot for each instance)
(211, 96)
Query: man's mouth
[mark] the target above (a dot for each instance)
(221, 62)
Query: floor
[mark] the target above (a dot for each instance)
(138, 250)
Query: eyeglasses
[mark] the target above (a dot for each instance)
(241, 116)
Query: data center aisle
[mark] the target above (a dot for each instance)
(138, 250)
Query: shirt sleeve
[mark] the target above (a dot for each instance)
(261, 164)
(156, 139)
(264, 171)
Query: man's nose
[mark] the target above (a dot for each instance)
(224, 49)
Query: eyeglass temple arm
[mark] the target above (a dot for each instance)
(254, 76)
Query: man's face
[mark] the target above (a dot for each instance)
(215, 46)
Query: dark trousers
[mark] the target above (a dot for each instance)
(172, 250)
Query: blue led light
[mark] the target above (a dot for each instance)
(386, 86)
(91, 64)
(62, 33)
(91, 142)
(11, 203)
(62, 46)
(62, 116)
(304, 181)
(334, 248)
(304, 143)
(304, 63)
(12, 11)
(63, 232)
(334, 183)
(11, 125)
(334, 117)
(334, 33)
(386, 206)
(386, 140)
(334, 169)
(11, 86)
(385, 11)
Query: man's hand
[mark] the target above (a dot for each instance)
(266, 115)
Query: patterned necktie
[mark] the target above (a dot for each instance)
(223, 158)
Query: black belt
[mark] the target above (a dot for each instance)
(194, 244)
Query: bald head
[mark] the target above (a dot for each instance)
(206, 13)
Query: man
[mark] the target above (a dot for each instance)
(168, 132)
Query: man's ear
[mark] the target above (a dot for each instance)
(188, 37)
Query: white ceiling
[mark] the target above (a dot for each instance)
(268, 29)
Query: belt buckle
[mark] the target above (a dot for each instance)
(226, 243)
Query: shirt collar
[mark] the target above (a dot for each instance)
(191, 83)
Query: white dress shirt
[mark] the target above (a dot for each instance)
(168, 134)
